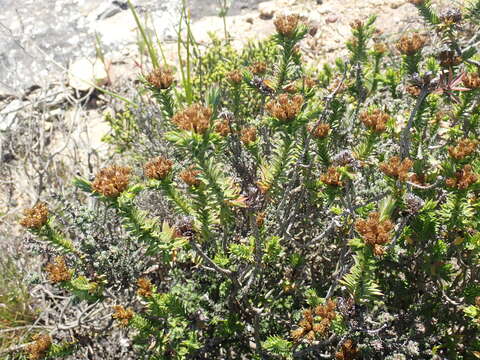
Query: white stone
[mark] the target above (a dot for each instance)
(85, 74)
(266, 10)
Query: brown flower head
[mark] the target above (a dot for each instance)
(58, 270)
(260, 218)
(35, 217)
(194, 118)
(356, 24)
(234, 77)
(39, 348)
(309, 83)
(374, 231)
(463, 178)
(111, 181)
(320, 131)
(122, 315)
(144, 287)
(157, 168)
(375, 120)
(315, 322)
(465, 147)
(418, 179)
(223, 127)
(248, 135)
(477, 301)
(472, 80)
(258, 68)
(348, 351)
(160, 78)
(410, 45)
(332, 177)
(285, 108)
(450, 16)
(380, 48)
(396, 168)
(448, 58)
(190, 176)
(413, 90)
(287, 24)
(416, 2)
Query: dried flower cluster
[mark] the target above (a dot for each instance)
(413, 90)
(190, 176)
(122, 315)
(375, 232)
(451, 16)
(39, 348)
(416, 2)
(160, 78)
(410, 45)
(248, 135)
(448, 58)
(35, 217)
(356, 24)
(144, 287)
(472, 80)
(376, 120)
(463, 178)
(58, 270)
(418, 179)
(380, 48)
(111, 181)
(258, 68)
(348, 351)
(332, 177)
(223, 127)
(320, 131)
(234, 77)
(194, 118)
(397, 168)
(316, 322)
(465, 147)
(285, 108)
(157, 168)
(286, 24)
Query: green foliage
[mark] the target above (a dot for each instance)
(260, 223)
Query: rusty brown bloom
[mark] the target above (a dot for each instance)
(258, 68)
(463, 178)
(285, 108)
(332, 177)
(315, 322)
(248, 135)
(356, 24)
(410, 45)
(190, 176)
(160, 78)
(39, 348)
(58, 270)
(157, 168)
(472, 80)
(413, 90)
(416, 2)
(234, 77)
(396, 168)
(287, 24)
(465, 147)
(375, 232)
(320, 131)
(375, 120)
(122, 315)
(348, 351)
(450, 16)
(144, 287)
(112, 181)
(195, 118)
(223, 127)
(448, 58)
(35, 217)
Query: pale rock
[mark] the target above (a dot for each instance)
(267, 10)
(8, 115)
(85, 73)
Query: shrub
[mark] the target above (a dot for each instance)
(284, 213)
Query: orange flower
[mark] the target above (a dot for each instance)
(35, 217)
(122, 315)
(396, 168)
(194, 118)
(376, 233)
(58, 271)
(160, 78)
(287, 24)
(157, 168)
(112, 181)
(285, 108)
